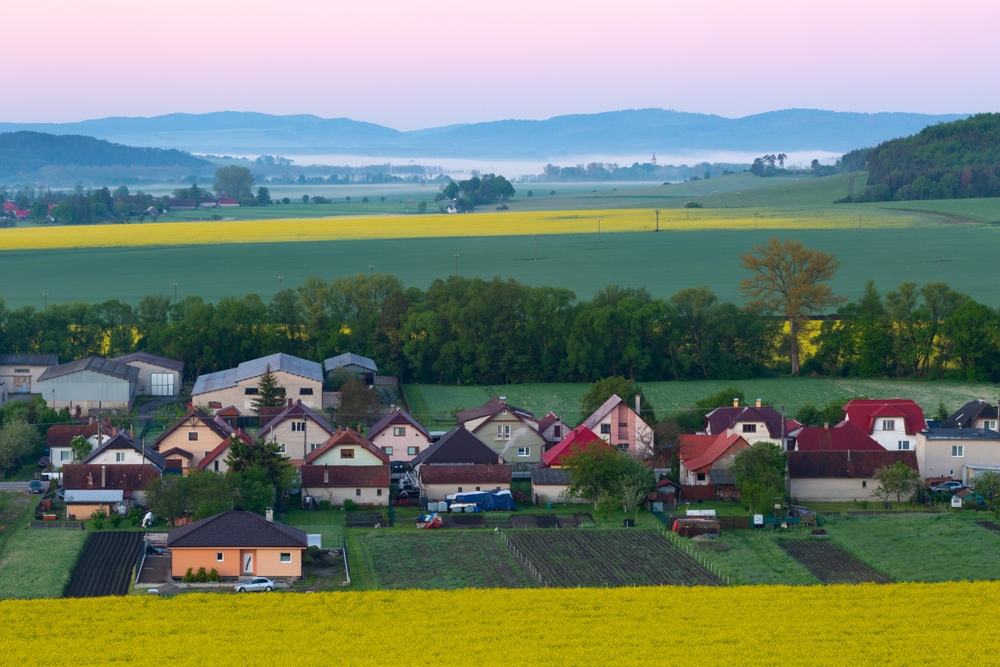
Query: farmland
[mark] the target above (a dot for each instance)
(37, 563)
(831, 564)
(587, 557)
(105, 565)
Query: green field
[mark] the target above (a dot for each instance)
(434, 403)
(37, 563)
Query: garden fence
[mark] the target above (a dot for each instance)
(524, 559)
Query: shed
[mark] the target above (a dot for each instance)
(158, 376)
(20, 372)
(81, 503)
(89, 384)
(354, 363)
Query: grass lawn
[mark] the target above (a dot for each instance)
(754, 557)
(37, 563)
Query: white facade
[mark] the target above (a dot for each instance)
(60, 456)
(948, 457)
(890, 432)
(832, 489)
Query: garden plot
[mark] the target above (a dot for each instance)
(831, 564)
(105, 566)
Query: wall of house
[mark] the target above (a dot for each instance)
(401, 444)
(623, 429)
(935, 460)
(144, 383)
(206, 441)
(521, 436)
(266, 562)
(298, 443)
(758, 432)
(334, 457)
(21, 379)
(891, 439)
(552, 493)
(440, 491)
(219, 463)
(82, 511)
(336, 495)
(107, 457)
(549, 434)
(293, 384)
(832, 490)
(56, 453)
(88, 390)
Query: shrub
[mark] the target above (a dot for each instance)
(116, 520)
(135, 516)
(202, 576)
(189, 576)
(350, 505)
(693, 204)
(213, 575)
(98, 516)
(502, 207)
(324, 504)
(864, 504)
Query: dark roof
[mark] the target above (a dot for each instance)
(122, 441)
(845, 464)
(485, 474)
(217, 426)
(296, 409)
(95, 365)
(183, 453)
(550, 476)
(29, 359)
(724, 418)
(237, 529)
(124, 477)
(941, 433)
(547, 421)
(393, 418)
(967, 415)
(350, 359)
(153, 360)
(458, 445)
(864, 411)
(345, 476)
(843, 436)
(491, 407)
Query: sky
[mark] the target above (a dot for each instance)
(411, 65)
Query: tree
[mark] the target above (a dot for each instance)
(255, 490)
(81, 447)
(166, 497)
(624, 388)
(358, 403)
(897, 480)
(759, 473)
(789, 279)
(634, 481)
(263, 455)
(18, 441)
(236, 182)
(207, 493)
(593, 472)
(269, 393)
(263, 197)
(987, 484)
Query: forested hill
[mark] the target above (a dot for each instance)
(31, 152)
(944, 161)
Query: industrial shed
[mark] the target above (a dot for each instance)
(158, 376)
(89, 384)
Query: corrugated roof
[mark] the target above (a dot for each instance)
(237, 529)
(94, 365)
(94, 495)
(459, 474)
(558, 476)
(153, 360)
(458, 445)
(395, 418)
(345, 476)
(255, 368)
(941, 433)
(849, 464)
(349, 359)
(29, 359)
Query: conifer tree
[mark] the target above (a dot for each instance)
(269, 393)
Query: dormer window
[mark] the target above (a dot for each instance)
(888, 424)
(749, 428)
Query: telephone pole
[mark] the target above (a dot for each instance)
(657, 219)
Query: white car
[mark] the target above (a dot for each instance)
(255, 584)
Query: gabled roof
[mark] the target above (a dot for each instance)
(458, 445)
(399, 417)
(216, 425)
(600, 413)
(548, 420)
(29, 359)
(967, 415)
(345, 476)
(463, 474)
(349, 359)
(94, 365)
(492, 407)
(295, 410)
(152, 360)
(255, 368)
(707, 455)
(841, 437)
(556, 476)
(863, 412)
(580, 437)
(346, 437)
(222, 446)
(849, 464)
(60, 435)
(228, 411)
(124, 477)
(122, 441)
(720, 419)
(236, 529)
(177, 451)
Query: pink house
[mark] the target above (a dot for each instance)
(621, 427)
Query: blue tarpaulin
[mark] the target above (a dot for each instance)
(488, 501)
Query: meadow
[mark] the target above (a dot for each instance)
(833, 625)
(24, 574)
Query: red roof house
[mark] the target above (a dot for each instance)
(844, 436)
(578, 439)
(705, 459)
(893, 423)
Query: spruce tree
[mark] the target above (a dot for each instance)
(269, 393)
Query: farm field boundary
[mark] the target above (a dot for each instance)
(831, 564)
(38, 563)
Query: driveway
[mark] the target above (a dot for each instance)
(14, 486)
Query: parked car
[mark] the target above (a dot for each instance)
(35, 486)
(255, 584)
(947, 487)
(398, 466)
(44, 462)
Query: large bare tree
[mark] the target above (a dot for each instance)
(789, 278)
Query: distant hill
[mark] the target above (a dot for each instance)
(612, 133)
(28, 153)
(953, 160)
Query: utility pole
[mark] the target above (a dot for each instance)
(45, 300)
(175, 291)
(456, 263)
(370, 267)
(657, 219)
(280, 280)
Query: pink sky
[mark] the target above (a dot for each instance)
(410, 64)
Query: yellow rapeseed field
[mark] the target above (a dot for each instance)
(418, 226)
(764, 625)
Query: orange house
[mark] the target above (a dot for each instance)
(238, 544)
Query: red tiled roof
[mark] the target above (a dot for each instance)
(694, 445)
(60, 435)
(486, 474)
(708, 455)
(849, 464)
(345, 476)
(126, 477)
(841, 437)
(862, 412)
(579, 438)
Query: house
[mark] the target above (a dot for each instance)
(130, 480)
(972, 415)
(355, 363)
(122, 449)
(840, 476)
(237, 544)
(181, 204)
(457, 447)
(191, 438)
(20, 372)
(158, 376)
(621, 427)
(89, 384)
(300, 378)
(81, 503)
(842, 437)
(551, 485)
(579, 438)
(957, 452)
(217, 460)
(399, 435)
(208, 203)
(893, 423)
(552, 428)
(758, 423)
(225, 202)
(298, 430)
(705, 459)
(325, 474)
(437, 482)
(511, 431)
(59, 437)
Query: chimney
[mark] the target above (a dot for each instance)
(114, 431)
(104, 476)
(90, 481)
(736, 402)
(637, 405)
(269, 515)
(90, 419)
(392, 407)
(131, 434)
(826, 426)
(289, 402)
(326, 475)
(758, 402)
(848, 455)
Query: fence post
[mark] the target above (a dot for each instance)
(347, 567)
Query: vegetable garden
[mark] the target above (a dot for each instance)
(105, 566)
(831, 564)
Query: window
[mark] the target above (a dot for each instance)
(888, 424)
(285, 557)
(958, 450)
(218, 556)
(557, 431)
(523, 451)
(378, 492)
(387, 450)
(313, 446)
(66, 456)
(119, 457)
(503, 431)
(281, 447)
(991, 424)
(250, 391)
(22, 370)
(399, 431)
(215, 466)
(459, 489)
(357, 492)
(215, 405)
(622, 424)
(192, 436)
(306, 391)
(701, 477)
(605, 429)
(864, 485)
(161, 384)
(299, 427)
(347, 453)
(477, 488)
(903, 444)
(749, 428)
(412, 451)
(623, 447)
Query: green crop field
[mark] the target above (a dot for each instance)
(434, 403)
(37, 563)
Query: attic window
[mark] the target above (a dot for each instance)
(298, 427)
(347, 453)
(605, 429)
(557, 431)
(306, 391)
(192, 435)
(888, 424)
(749, 428)
(250, 391)
(399, 430)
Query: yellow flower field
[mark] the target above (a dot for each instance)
(423, 226)
(821, 625)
